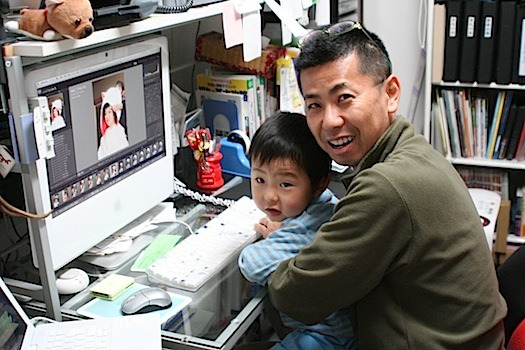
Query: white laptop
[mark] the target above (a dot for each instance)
(127, 332)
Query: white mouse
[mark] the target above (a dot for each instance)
(72, 281)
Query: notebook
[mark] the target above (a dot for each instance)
(129, 332)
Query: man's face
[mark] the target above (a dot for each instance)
(347, 111)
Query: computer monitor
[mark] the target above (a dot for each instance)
(112, 137)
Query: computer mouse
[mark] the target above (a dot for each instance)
(146, 300)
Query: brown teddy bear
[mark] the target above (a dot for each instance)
(61, 18)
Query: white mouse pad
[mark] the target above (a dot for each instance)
(111, 308)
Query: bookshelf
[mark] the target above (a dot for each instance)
(434, 121)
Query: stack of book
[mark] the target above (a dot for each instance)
(233, 101)
(471, 125)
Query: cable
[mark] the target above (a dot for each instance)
(175, 9)
(185, 224)
(14, 211)
(201, 197)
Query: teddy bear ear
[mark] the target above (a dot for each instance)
(52, 3)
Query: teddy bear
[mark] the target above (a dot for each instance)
(61, 18)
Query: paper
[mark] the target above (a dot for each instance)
(232, 25)
(251, 27)
(322, 12)
(286, 33)
(160, 246)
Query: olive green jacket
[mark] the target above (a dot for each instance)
(405, 249)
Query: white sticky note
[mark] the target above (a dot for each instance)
(296, 8)
(286, 33)
(232, 25)
(251, 27)
(322, 12)
(286, 17)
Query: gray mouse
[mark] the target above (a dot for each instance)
(146, 300)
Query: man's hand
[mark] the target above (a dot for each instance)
(266, 226)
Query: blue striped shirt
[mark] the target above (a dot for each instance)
(257, 261)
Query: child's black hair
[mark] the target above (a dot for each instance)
(286, 135)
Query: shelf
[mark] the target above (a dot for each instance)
(154, 23)
(515, 239)
(494, 86)
(491, 163)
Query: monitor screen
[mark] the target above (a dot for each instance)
(110, 119)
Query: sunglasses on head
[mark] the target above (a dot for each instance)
(340, 29)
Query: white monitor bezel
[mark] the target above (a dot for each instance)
(89, 222)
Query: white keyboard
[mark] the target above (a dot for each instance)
(201, 255)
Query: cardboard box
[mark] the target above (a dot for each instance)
(210, 48)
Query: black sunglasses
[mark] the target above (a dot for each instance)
(340, 29)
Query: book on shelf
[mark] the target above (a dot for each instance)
(520, 152)
(516, 132)
(438, 45)
(240, 85)
(502, 124)
(449, 110)
(498, 110)
(504, 142)
(441, 134)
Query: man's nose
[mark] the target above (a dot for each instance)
(333, 117)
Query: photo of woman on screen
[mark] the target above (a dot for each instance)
(57, 120)
(113, 133)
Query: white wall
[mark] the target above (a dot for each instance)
(401, 24)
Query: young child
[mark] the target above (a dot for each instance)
(290, 174)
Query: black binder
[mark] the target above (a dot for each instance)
(468, 62)
(515, 135)
(518, 75)
(453, 40)
(487, 41)
(505, 45)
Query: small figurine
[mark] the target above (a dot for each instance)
(209, 171)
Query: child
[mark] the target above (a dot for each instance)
(289, 178)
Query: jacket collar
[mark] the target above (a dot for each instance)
(382, 148)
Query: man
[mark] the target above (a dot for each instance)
(404, 249)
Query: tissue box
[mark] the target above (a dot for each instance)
(210, 48)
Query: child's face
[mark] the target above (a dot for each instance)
(280, 188)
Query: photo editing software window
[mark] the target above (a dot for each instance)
(107, 124)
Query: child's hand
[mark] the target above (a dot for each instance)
(266, 226)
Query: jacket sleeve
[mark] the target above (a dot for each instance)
(349, 255)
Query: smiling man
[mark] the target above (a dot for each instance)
(404, 248)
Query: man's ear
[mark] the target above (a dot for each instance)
(323, 184)
(393, 90)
